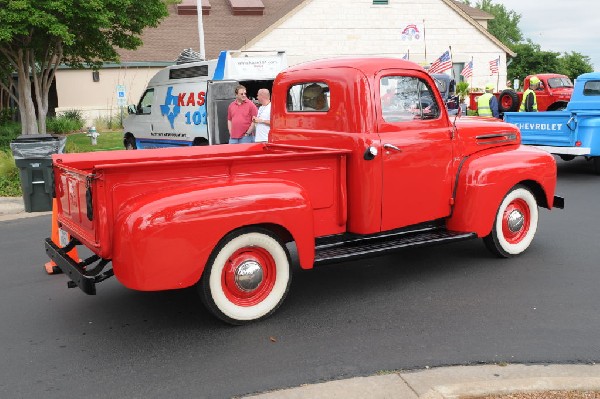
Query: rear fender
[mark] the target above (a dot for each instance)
(163, 240)
(486, 178)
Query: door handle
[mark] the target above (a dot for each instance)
(391, 147)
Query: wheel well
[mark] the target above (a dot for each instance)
(538, 192)
(557, 105)
(200, 141)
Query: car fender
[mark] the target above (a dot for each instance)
(163, 240)
(485, 178)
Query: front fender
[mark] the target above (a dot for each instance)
(163, 240)
(486, 178)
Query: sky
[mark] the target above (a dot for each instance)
(560, 25)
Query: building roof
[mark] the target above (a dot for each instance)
(224, 30)
(474, 12)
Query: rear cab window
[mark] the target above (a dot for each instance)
(308, 97)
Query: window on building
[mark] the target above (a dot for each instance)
(380, 2)
(308, 97)
(407, 98)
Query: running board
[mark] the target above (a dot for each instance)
(374, 246)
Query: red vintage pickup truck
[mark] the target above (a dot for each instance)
(367, 163)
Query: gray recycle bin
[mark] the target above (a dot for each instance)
(33, 156)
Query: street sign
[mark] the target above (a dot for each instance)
(121, 96)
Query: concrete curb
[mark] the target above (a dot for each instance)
(12, 208)
(451, 383)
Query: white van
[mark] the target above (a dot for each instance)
(187, 104)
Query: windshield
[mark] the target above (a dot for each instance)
(441, 85)
(556, 83)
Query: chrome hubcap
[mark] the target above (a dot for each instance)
(248, 276)
(515, 221)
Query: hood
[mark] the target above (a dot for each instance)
(475, 134)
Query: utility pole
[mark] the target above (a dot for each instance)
(200, 29)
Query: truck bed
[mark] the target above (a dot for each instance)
(93, 189)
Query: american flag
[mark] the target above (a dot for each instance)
(467, 71)
(494, 66)
(441, 64)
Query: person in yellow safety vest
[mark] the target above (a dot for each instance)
(529, 103)
(487, 103)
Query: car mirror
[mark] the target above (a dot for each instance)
(132, 109)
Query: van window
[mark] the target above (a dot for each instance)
(407, 98)
(189, 72)
(145, 105)
(308, 97)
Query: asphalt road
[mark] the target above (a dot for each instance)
(423, 307)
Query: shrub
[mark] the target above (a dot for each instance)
(75, 115)
(10, 185)
(7, 115)
(62, 124)
(8, 132)
(108, 123)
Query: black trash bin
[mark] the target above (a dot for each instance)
(33, 157)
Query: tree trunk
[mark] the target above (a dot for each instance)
(26, 108)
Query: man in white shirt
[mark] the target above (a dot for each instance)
(262, 121)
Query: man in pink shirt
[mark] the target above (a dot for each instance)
(239, 118)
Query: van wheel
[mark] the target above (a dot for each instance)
(129, 143)
(508, 101)
(246, 277)
(515, 224)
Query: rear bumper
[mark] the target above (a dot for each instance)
(79, 273)
(564, 150)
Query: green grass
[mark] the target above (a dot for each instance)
(107, 141)
(10, 186)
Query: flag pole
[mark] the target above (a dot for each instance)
(200, 29)
(498, 78)
(424, 40)
(451, 62)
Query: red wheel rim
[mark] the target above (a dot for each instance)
(248, 255)
(507, 102)
(515, 232)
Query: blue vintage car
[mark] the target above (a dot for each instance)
(570, 133)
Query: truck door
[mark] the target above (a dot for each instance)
(219, 94)
(416, 145)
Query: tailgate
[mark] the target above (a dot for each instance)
(73, 194)
(551, 128)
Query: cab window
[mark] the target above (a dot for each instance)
(145, 105)
(407, 98)
(308, 97)
(591, 88)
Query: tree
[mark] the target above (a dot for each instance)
(531, 59)
(505, 25)
(38, 36)
(574, 64)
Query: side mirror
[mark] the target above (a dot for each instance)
(132, 109)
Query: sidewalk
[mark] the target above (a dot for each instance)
(454, 382)
(12, 208)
